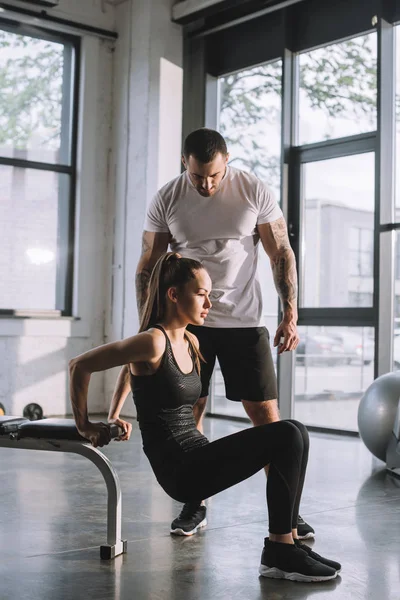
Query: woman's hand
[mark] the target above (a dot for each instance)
(98, 434)
(125, 426)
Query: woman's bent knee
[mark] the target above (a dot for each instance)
(303, 430)
(290, 435)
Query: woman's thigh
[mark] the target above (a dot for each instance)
(225, 462)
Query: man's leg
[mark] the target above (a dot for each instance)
(262, 413)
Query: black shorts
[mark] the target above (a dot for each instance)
(245, 358)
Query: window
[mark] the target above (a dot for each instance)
(338, 194)
(338, 90)
(249, 116)
(37, 170)
(250, 120)
(334, 367)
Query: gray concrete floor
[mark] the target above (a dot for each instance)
(53, 512)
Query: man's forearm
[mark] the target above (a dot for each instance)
(285, 278)
(142, 287)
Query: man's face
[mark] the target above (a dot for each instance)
(206, 178)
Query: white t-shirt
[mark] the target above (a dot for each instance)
(221, 233)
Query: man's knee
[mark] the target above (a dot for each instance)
(262, 413)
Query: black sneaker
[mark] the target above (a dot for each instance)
(325, 561)
(304, 530)
(193, 516)
(288, 561)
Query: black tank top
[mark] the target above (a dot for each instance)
(164, 403)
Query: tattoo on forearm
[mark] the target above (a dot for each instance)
(280, 235)
(142, 286)
(284, 265)
(285, 277)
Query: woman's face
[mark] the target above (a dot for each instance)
(192, 300)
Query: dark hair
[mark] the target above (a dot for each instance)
(204, 144)
(171, 270)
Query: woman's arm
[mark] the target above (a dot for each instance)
(139, 348)
(121, 391)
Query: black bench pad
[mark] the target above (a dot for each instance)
(9, 424)
(55, 429)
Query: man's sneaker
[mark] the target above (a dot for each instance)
(288, 561)
(304, 530)
(193, 516)
(325, 561)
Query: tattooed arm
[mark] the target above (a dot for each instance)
(154, 244)
(275, 240)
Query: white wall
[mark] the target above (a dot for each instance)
(147, 145)
(34, 353)
(129, 143)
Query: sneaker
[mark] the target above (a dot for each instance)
(193, 516)
(304, 530)
(325, 561)
(288, 561)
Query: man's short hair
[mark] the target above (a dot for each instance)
(204, 145)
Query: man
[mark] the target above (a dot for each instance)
(218, 214)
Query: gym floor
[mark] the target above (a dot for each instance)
(53, 514)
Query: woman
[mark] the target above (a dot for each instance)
(164, 362)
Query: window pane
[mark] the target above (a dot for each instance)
(338, 89)
(334, 366)
(337, 229)
(250, 121)
(31, 73)
(31, 231)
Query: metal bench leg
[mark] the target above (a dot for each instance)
(115, 545)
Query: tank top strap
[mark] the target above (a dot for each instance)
(161, 328)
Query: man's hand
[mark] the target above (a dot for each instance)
(288, 331)
(126, 428)
(98, 434)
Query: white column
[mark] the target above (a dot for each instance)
(146, 149)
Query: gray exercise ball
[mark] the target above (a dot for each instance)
(377, 412)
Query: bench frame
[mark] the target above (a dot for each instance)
(115, 545)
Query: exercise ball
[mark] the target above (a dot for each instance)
(377, 412)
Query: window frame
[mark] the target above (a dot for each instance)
(69, 136)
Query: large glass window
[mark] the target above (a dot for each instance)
(36, 170)
(337, 96)
(338, 222)
(250, 120)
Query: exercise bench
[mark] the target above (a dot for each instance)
(61, 435)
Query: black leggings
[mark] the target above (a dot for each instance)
(212, 468)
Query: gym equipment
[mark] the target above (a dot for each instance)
(393, 449)
(379, 419)
(33, 412)
(2, 410)
(61, 435)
